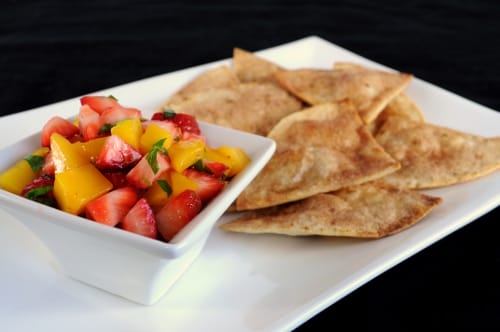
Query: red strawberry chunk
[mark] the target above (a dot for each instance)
(215, 167)
(117, 154)
(142, 175)
(208, 185)
(89, 122)
(58, 125)
(141, 220)
(187, 123)
(99, 103)
(119, 113)
(112, 207)
(177, 213)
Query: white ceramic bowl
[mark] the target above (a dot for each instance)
(120, 262)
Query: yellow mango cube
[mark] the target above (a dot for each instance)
(185, 153)
(180, 182)
(237, 157)
(91, 148)
(16, 177)
(156, 195)
(74, 188)
(130, 130)
(152, 134)
(65, 155)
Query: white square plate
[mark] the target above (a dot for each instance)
(239, 282)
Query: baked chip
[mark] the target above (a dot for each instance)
(369, 210)
(250, 107)
(249, 67)
(435, 156)
(218, 77)
(370, 90)
(319, 149)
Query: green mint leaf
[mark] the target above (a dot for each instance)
(106, 128)
(35, 193)
(151, 155)
(36, 162)
(168, 113)
(165, 186)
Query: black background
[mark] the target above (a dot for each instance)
(55, 50)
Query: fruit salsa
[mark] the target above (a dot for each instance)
(112, 166)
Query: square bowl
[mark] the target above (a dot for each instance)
(120, 262)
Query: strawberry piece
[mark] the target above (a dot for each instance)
(115, 114)
(89, 122)
(41, 190)
(112, 207)
(117, 178)
(59, 125)
(177, 213)
(208, 185)
(214, 167)
(117, 154)
(141, 220)
(49, 167)
(186, 122)
(142, 175)
(99, 103)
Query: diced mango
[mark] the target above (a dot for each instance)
(16, 177)
(237, 157)
(130, 130)
(180, 182)
(74, 188)
(185, 153)
(152, 134)
(156, 195)
(91, 148)
(65, 155)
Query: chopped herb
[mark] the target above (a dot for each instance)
(112, 97)
(151, 156)
(34, 193)
(199, 166)
(106, 128)
(165, 186)
(168, 113)
(36, 162)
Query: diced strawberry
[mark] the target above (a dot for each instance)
(187, 123)
(58, 125)
(112, 207)
(142, 175)
(208, 185)
(89, 122)
(117, 178)
(177, 213)
(99, 103)
(118, 113)
(48, 168)
(141, 220)
(41, 190)
(214, 167)
(117, 154)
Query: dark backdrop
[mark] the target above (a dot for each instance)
(54, 50)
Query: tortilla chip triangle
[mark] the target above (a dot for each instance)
(435, 156)
(370, 90)
(249, 67)
(218, 77)
(250, 107)
(319, 149)
(369, 210)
